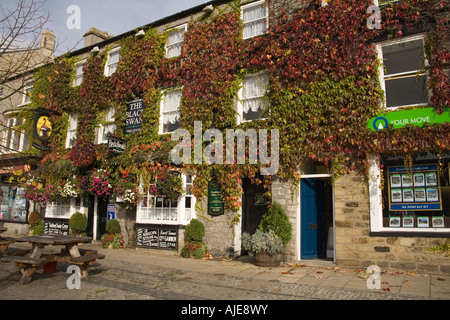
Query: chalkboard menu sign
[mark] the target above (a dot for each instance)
(56, 227)
(157, 237)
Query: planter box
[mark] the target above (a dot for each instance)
(50, 267)
(264, 260)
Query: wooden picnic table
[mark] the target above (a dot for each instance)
(29, 263)
(4, 243)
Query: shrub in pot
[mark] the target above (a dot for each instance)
(276, 220)
(78, 224)
(113, 238)
(194, 246)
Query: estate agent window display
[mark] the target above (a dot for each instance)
(416, 196)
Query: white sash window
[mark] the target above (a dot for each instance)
(161, 210)
(254, 16)
(72, 130)
(112, 62)
(170, 113)
(253, 105)
(175, 41)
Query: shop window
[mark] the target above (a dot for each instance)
(175, 41)
(414, 197)
(161, 210)
(13, 204)
(170, 113)
(108, 127)
(63, 209)
(255, 18)
(403, 77)
(79, 73)
(112, 61)
(252, 102)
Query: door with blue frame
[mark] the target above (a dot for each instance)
(312, 198)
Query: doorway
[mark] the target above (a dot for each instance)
(316, 217)
(102, 216)
(253, 205)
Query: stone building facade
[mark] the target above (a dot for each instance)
(349, 219)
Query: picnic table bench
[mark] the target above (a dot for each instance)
(30, 262)
(27, 266)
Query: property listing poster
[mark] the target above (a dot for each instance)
(414, 189)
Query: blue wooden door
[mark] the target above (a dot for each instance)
(312, 219)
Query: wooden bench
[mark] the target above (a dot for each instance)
(16, 252)
(82, 251)
(27, 265)
(4, 245)
(85, 261)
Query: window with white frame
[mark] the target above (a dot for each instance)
(161, 210)
(255, 19)
(79, 73)
(175, 41)
(13, 135)
(63, 209)
(108, 127)
(72, 130)
(170, 113)
(410, 198)
(27, 91)
(252, 103)
(112, 61)
(403, 77)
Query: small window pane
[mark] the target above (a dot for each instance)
(406, 91)
(403, 57)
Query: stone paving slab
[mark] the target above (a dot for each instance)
(142, 274)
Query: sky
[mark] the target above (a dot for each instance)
(113, 16)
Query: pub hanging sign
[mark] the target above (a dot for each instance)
(116, 145)
(42, 127)
(215, 202)
(133, 122)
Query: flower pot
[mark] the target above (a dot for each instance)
(262, 259)
(50, 267)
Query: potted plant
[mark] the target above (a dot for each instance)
(276, 220)
(194, 246)
(78, 224)
(113, 238)
(265, 246)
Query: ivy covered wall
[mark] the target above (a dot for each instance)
(323, 87)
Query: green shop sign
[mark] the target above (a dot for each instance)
(215, 202)
(415, 117)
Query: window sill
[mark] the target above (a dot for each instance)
(413, 232)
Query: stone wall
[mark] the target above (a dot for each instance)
(355, 246)
(287, 196)
(219, 232)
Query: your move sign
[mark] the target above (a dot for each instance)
(415, 117)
